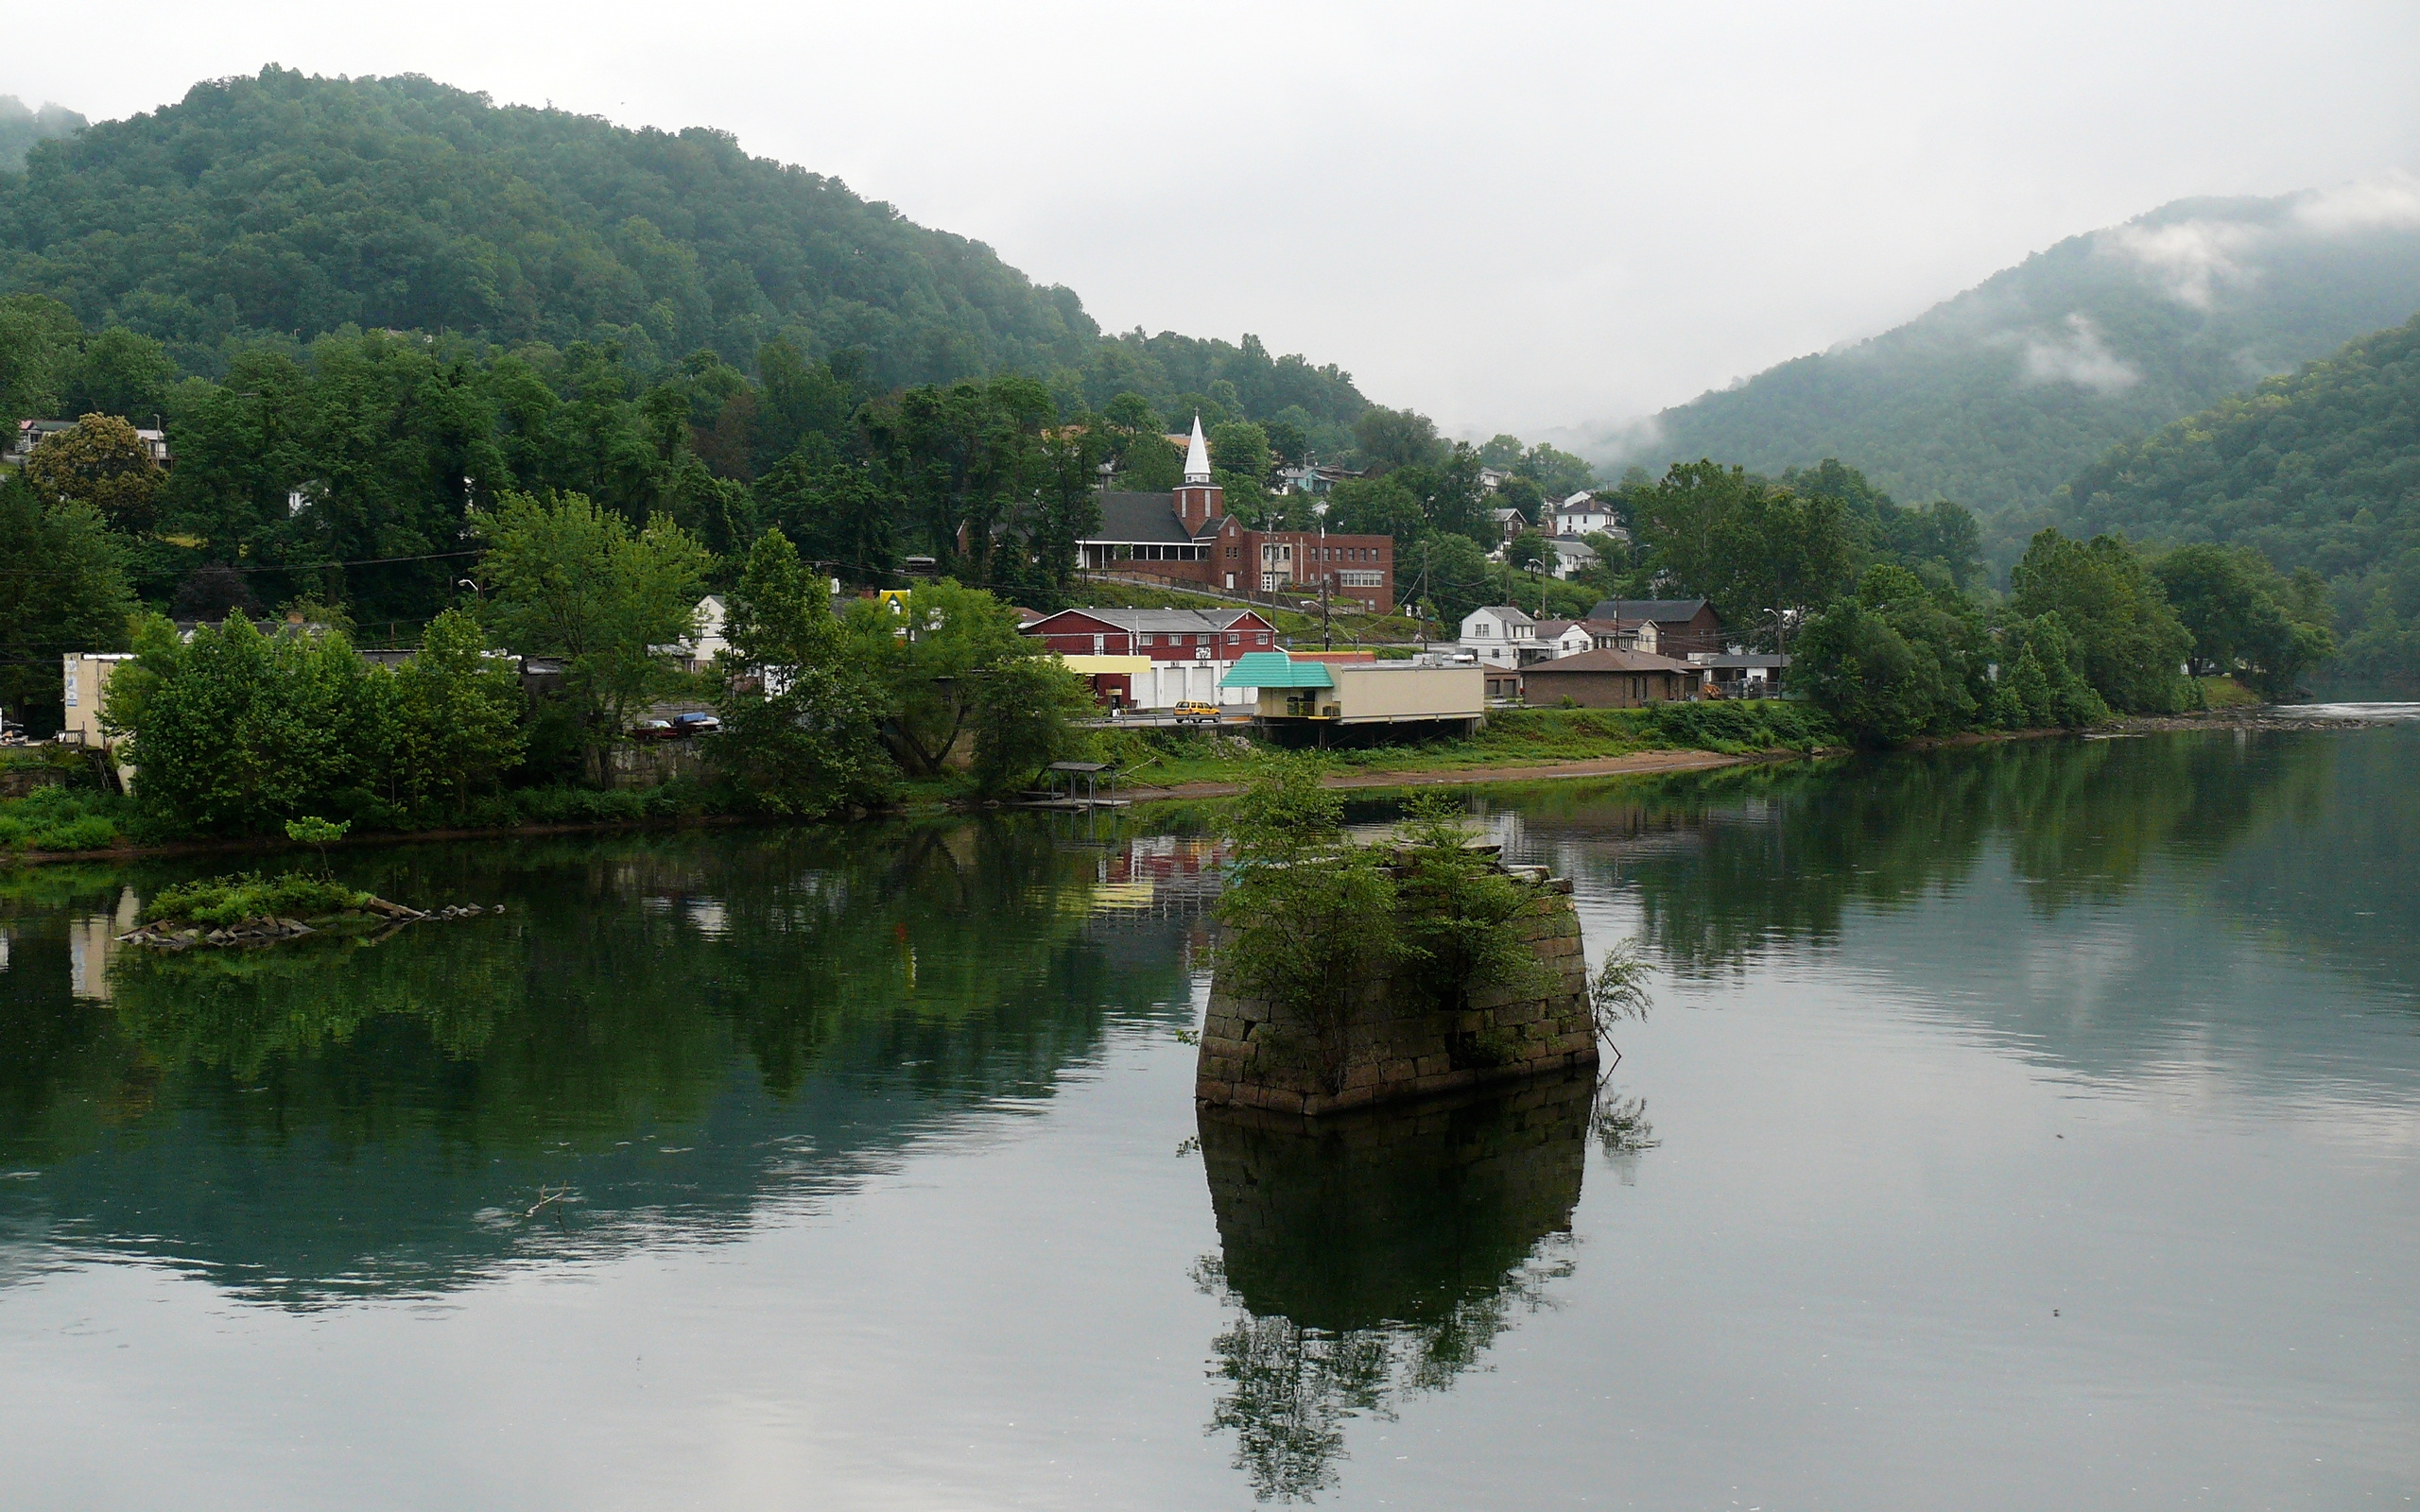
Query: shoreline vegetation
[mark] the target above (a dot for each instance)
(1517, 755)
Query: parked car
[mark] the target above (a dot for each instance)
(695, 724)
(652, 729)
(1190, 713)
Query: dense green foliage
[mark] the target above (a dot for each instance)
(62, 587)
(2089, 631)
(21, 126)
(282, 207)
(801, 719)
(2319, 471)
(59, 818)
(2128, 641)
(1998, 396)
(2247, 621)
(1765, 553)
(248, 895)
(1308, 917)
(567, 579)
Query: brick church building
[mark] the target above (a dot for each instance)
(1189, 537)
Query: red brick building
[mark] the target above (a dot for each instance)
(1188, 536)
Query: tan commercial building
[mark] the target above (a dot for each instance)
(1361, 692)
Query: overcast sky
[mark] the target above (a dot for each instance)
(1513, 217)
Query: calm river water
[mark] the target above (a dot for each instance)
(2027, 1127)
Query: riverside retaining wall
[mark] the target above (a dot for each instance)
(1385, 1046)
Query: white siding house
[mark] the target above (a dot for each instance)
(1498, 634)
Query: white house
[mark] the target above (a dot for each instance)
(1570, 556)
(1498, 634)
(1585, 514)
(1562, 638)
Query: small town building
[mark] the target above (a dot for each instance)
(1563, 637)
(1308, 694)
(1186, 536)
(32, 432)
(1609, 679)
(1499, 635)
(1682, 625)
(1182, 651)
(1583, 514)
(1740, 674)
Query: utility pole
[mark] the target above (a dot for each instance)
(1327, 575)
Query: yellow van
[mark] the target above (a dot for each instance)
(1190, 713)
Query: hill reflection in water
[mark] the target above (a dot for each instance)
(668, 1034)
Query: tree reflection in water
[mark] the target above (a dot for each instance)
(1376, 1257)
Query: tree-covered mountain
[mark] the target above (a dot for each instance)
(1998, 396)
(279, 208)
(22, 125)
(2318, 470)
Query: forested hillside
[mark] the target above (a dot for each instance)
(277, 209)
(2319, 469)
(21, 126)
(1998, 396)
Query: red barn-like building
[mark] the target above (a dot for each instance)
(1189, 649)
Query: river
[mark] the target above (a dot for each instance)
(2016, 1126)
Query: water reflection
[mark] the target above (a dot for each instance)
(1376, 1257)
(671, 1033)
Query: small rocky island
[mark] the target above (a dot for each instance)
(1391, 1038)
(251, 910)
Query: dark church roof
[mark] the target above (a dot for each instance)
(1140, 518)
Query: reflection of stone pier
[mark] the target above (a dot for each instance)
(1391, 1041)
(1375, 1255)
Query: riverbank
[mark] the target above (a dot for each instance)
(1523, 745)
(1634, 763)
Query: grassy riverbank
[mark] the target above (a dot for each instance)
(59, 822)
(1527, 740)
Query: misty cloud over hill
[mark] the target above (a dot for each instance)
(1998, 396)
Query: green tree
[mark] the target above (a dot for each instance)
(568, 579)
(1896, 662)
(236, 733)
(1377, 507)
(62, 587)
(2130, 641)
(1391, 438)
(802, 713)
(1025, 717)
(1451, 575)
(457, 714)
(2242, 616)
(1243, 447)
(37, 340)
(832, 512)
(931, 657)
(1762, 554)
(120, 372)
(100, 463)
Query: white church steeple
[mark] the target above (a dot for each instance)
(1197, 454)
